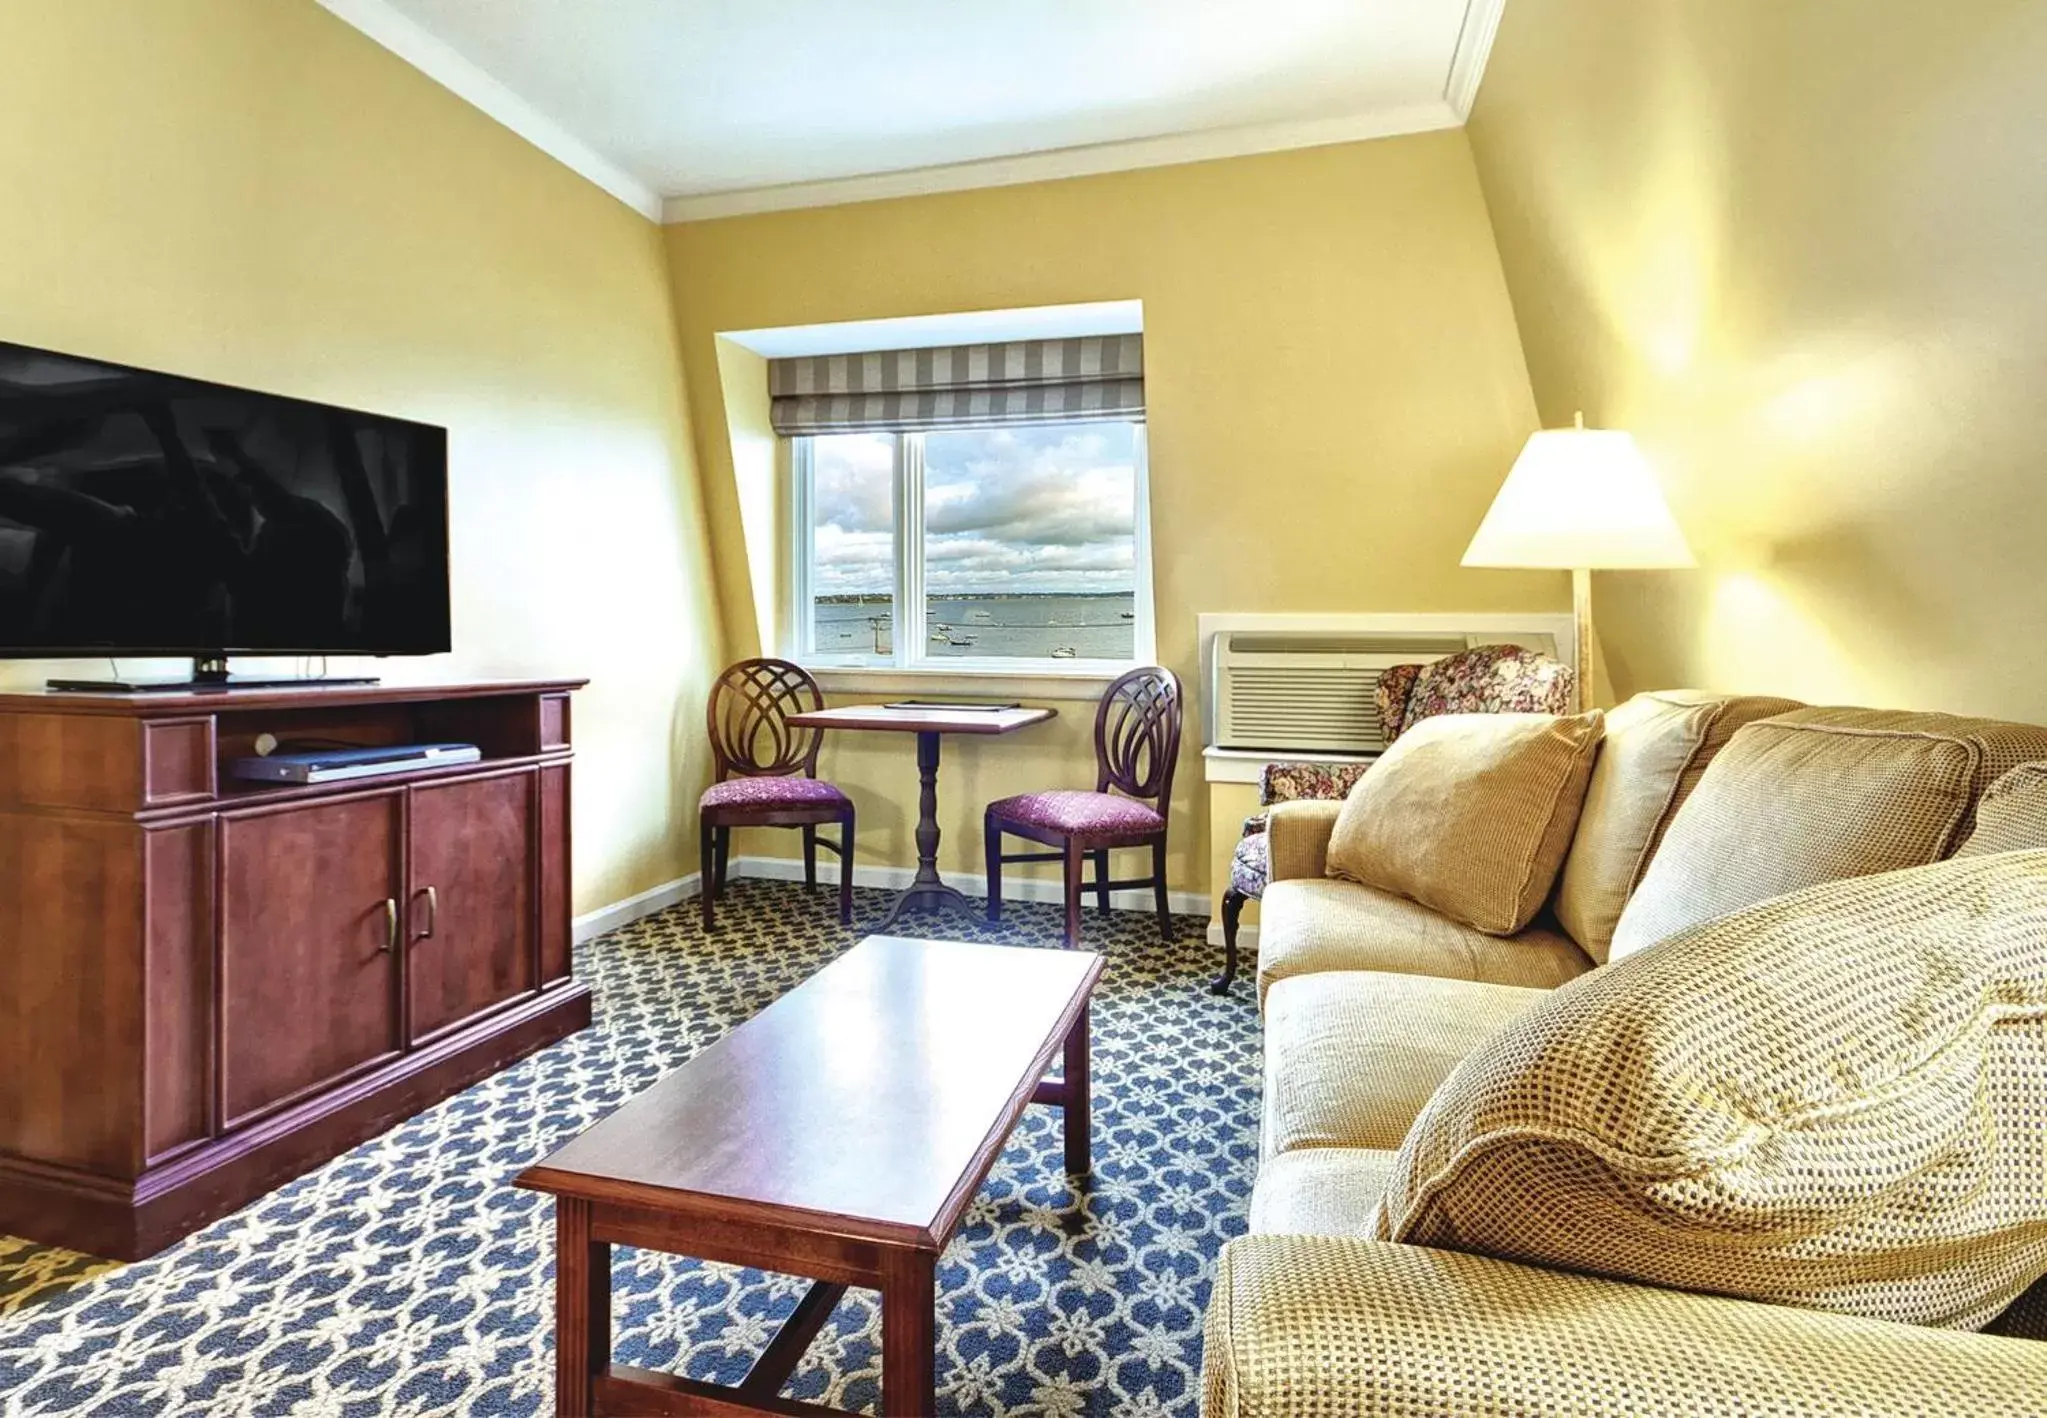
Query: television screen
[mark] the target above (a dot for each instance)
(145, 514)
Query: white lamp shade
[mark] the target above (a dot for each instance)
(1580, 497)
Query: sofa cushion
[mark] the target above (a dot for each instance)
(2011, 816)
(1657, 746)
(1470, 814)
(1343, 1326)
(1833, 1099)
(1351, 1055)
(1315, 924)
(1320, 1191)
(1818, 795)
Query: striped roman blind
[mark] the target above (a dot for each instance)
(1025, 381)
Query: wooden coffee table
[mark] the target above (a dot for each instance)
(839, 1134)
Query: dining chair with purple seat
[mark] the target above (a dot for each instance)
(767, 774)
(1137, 744)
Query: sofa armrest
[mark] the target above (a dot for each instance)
(1329, 1324)
(1299, 833)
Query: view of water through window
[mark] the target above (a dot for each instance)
(1029, 547)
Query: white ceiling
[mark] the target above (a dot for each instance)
(724, 106)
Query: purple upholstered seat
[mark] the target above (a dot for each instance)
(1076, 810)
(780, 790)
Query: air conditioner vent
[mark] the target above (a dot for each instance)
(1314, 691)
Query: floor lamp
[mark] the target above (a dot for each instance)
(1580, 500)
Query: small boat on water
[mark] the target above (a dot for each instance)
(1065, 652)
(981, 615)
(1128, 615)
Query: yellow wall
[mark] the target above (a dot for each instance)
(250, 191)
(1798, 249)
(1333, 381)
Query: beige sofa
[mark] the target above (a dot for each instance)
(1370, 1001)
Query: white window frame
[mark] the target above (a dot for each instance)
(909, 645)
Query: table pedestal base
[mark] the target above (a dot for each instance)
(928, 892)
(930, 897)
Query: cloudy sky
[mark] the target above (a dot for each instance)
(1016, 510)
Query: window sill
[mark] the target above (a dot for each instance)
(1247, 765)
(1081, 684)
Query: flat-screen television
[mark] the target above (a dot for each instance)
(147, 514)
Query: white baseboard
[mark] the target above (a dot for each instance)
(1247, 938)
(1014, 888)
(633, 908)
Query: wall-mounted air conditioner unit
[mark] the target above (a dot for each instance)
(1312, 691)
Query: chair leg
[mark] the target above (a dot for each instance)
(991, 838)
(1072, 864)
(1158, 889)
(1233, 912)
(707, 849)
(1102, 881)
(810, 858)
(846, 871)
(724, 857)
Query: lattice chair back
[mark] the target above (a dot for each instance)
(1137, 735)
(748, 718)
(1486, 679)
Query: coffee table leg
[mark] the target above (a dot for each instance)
(582, 1308)
(909, 1344)
(1076, 1114)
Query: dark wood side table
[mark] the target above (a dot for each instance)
(928, 891)
(767, 1150)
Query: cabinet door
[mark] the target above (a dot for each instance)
(471, 913)
(309, 975)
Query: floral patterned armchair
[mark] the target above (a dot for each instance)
(1487, 679)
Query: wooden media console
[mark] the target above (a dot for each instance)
(209, 986)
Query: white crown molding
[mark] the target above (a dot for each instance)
(1474, 48)
(437, 60)
(1059, 163)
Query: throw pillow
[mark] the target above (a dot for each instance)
(1832, 1099)
(2012, 814)
(1811, 796)
(1470, 814)
(1657, 746)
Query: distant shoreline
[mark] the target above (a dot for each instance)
(884, 596)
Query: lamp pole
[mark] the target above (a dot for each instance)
(1581, 632)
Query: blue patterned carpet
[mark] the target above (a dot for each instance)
(408, 1277)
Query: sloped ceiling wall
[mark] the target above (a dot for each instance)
(1798, 249)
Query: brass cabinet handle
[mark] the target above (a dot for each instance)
(390, 945)
(433, 911)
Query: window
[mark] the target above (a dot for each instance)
(1017, 548)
